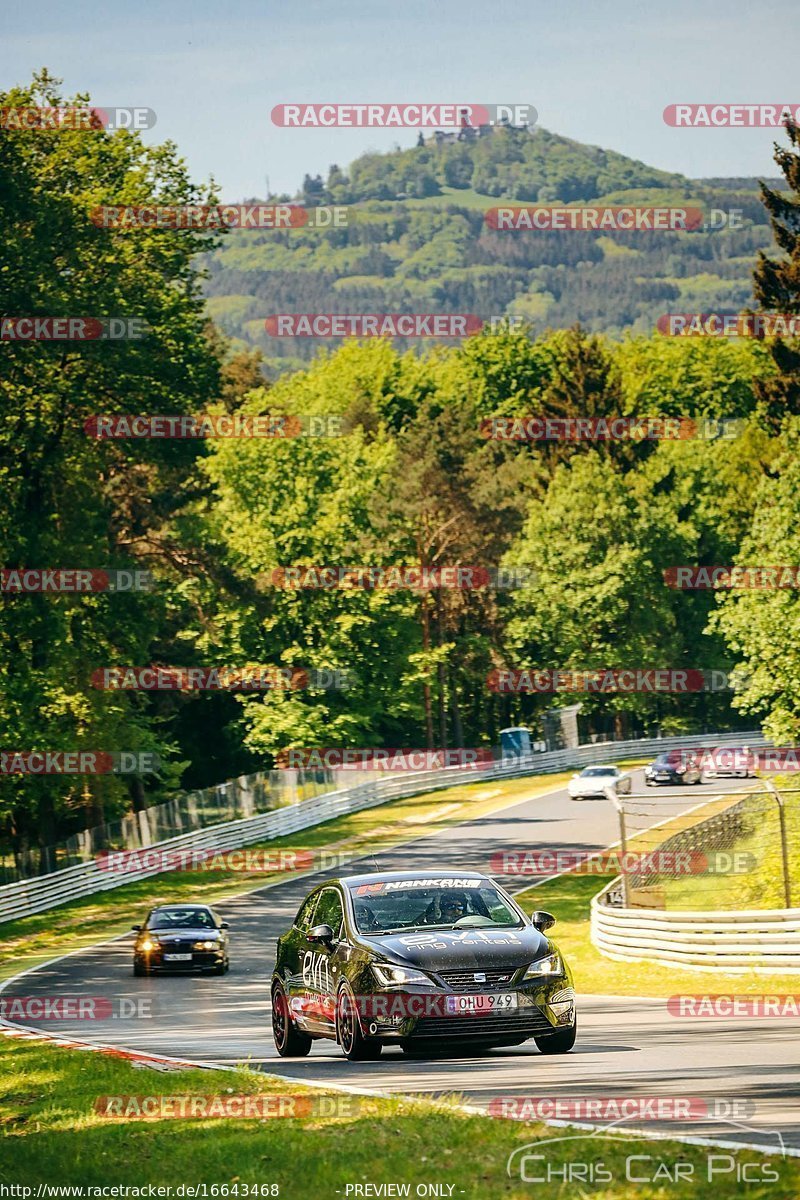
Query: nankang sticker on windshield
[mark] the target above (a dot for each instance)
(401, 885)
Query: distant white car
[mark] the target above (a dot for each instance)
(592, 781)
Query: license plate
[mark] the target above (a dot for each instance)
(177, 958)
(481, 1003)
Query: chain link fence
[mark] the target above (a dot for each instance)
(732, 850)
(237, 798)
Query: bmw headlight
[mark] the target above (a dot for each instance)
(545, 968)
(389, 976)
(208, 945)
(149, 943)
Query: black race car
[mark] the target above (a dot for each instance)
(423, 960)
(181, 937)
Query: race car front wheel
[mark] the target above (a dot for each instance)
(348, 1030)
(558, 1043)
(290, 1042)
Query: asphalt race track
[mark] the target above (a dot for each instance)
(626, 1046)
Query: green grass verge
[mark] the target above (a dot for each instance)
(52, 1134)
(569, 898)
(58, 930)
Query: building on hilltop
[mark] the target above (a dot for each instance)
(469, 133)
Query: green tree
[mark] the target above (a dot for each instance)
(777, 281)
(70, 500)
(598, 547)
(760, 624)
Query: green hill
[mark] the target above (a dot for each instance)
(416, 241)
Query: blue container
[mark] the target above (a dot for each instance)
(515, 742)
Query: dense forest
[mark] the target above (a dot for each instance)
(407, 476)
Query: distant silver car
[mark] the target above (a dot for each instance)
(593, 781)
(729, 762)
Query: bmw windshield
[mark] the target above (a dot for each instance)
(395, 905)
(181, 918)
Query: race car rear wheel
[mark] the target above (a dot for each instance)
(558, 1043)
(348, 1030)
(290, 1042)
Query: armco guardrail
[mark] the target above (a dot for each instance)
(30, 896)
(760, 940)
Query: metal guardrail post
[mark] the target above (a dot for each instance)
(787, 883)
(611, 794)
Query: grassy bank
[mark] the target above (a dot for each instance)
(52, 1134)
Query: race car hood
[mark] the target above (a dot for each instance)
(460, 949)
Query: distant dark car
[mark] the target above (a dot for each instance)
(181, 937)
(420, 960)
(674, 767)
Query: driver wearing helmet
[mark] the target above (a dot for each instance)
(452, 906)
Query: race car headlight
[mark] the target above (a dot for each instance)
(389, 976)
(209, 945)
(544, 968)
(149, 944)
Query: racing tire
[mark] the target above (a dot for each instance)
(139, 970)
(355, 1046)
(290, 1042)
(558, 1043)
(222, 968)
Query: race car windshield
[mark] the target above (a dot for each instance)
(590, 771)
(181, 918)
(399, 905)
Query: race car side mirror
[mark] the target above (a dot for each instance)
(542, 920)
(136, 928)
(224, 925)
(320, 933)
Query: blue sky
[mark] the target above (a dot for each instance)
(596, 71)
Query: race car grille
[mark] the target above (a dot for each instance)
(177, 946)
(467, 981)
(519, 1022)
